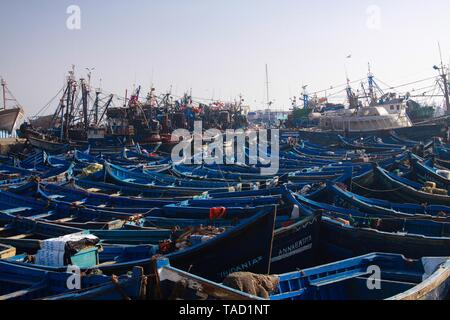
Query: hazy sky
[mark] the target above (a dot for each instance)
(218, 48)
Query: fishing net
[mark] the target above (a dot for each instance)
(254, 284)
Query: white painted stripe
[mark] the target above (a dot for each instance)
(290, 254)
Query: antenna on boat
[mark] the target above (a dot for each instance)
(443, 75)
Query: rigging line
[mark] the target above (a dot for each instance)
(420, 89)
(432, 94)
(374, 190)
(338, 86)
(380, 216)
(13, 97)
(335, 94)
(406, 84)
(48, 103)
(388, 87)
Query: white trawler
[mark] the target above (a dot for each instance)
(10, 118)
(386, 113)
(386, 116)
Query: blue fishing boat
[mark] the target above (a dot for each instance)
(395, 138)
(13, 204)
(400, 188)
(33, 161)
(12, 176)
(246, 246)
(70, 193)
(344, 198)
(343, 155)
(296, 236)
(441, 152)
(140, 180)
(27, 283)
(424, 171)
(128, 191)
(369, 145)
(51, 147)
(400, 279)
(346, 233)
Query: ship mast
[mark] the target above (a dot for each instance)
(349, 93)
(445, 82)
(305, 98)
(84, 93)
(267, 92)
(4, 93)
(371, 91)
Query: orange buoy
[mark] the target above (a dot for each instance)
(217, 213)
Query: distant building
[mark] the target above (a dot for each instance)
(264, 116)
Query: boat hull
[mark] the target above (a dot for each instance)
(48, 146)
(343, 242)
(417, 132)
(296, 246)
(9, 118)
(248, 248)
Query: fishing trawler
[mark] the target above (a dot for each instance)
(9, 117)
(378, 117)
(148, 121)
(368, 112)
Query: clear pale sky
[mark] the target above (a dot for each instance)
(218, 48)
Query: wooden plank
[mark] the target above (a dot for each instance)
(203, 286)
(20, 236)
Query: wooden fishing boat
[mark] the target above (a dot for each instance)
(344, 198)
(12, 204)
(368, 145)
(209, 174)
(194, 287)
(13, 176)
(441, 152)
(27, 283)
(128, 191)
(400, 279)
(402, 189)
(347, 233)
(140, 180)
(243, 249)
(395, 138)
(344, 155)
(33, 161)
(296, 236)
(70, 193)
(291, 175)
(52, 147)
(246, 246)
(423, 171)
